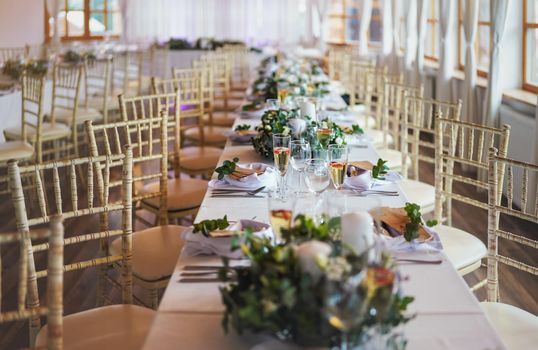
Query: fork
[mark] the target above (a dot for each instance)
(219, 191)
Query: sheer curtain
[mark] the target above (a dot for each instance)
(446, 24)
(470, 22)
(498, 14)
(387, 27)
(53, 7)
(422, 15)
(394, 64)
(410, 15)
(366, 16)
(254, 21)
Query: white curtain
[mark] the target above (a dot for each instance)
(387, 28)
(394, 65)
(447, 19)
(410, 13)
(254, 21)
(498, 12)
(53, 8)
(422, 16)
(470, 22)
(322, 7)
(124, 6)
(366, 15)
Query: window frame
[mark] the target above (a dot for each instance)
(88, 11)
(433, 22)
(344, 17)
(526, 26)
(461, 65)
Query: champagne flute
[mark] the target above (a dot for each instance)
(324, 135)
(281, 154)
(300, 153)
(338, 158)
(280, 213)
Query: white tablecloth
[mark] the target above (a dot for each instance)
(448, 314)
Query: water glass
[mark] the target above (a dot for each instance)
(281, 154)
(338, 158)
(300, 154)
(317, 175)
(272, 104)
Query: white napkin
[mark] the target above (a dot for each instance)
(267, 179)
(198, 244)
(365, 181)
(400, 245)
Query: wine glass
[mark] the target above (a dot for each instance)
(280, 213)
(324, 135)
(317, 175)
(345, 304)
(281, 154)
(272, 104)
(300, 153)
(338, 158)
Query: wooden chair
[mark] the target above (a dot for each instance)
(124, 324)
(33, 129)
(127, 73)
(462, 144)
(97, 92)
(240, 68)
(192, 160)
(221, 65)
(54, 291)
(157, 248)
(392, 111)
(13, 53)
(418, 143)
(362, 93)
(517, 328)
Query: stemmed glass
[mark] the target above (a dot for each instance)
(280, 213)
(338, 158)
(272, 104)
(324, 136)
(281, 154)
(317, 180)
(300, 153)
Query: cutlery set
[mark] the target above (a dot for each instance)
(202, 274)
(246, 193)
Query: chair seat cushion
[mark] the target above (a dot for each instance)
(517, 328)
(48, 132)
(155, 251)
(199, 158)
(420, 193)
(393, 158)
(226, 119)
(104, 328)
(212, 134)
(462, 248)
(15, 150)
(66, 116)
(183, 194)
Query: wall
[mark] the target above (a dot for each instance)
(21, 22)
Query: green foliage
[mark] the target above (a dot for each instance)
(415, 220)
(356, 129)
(206, 226)
(380, 169)
(305, 229)
(76, 58)
(272, 122)
(14, 68)
(242, 127)
(227, 168)
(431, 223)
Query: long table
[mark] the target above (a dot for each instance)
(448, 316)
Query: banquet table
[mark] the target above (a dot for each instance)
(448, 316)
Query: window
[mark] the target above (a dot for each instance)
(86, 19)
(344, 21)
(432, 32)
(530, 45)
(482, 42)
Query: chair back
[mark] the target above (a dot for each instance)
(56, 191)
(65, 90)
(54, 291)
(497, 209)
(33, 90)
(127, 72)
(461, 145)
(418, 130)
(97, 80)
(13, 53)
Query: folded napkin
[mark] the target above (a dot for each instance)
(198, 244)
(359, 176)
(393, 221)
(262, 175)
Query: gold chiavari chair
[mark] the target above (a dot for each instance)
(517, 328)
(192, 160)
(159, 61)
(13, 53)
(240, 67)
(222, 67)
(418, 143)
(127, 73)
(362, 90)
(459, 144)
(392, 112)
(124, 324)
(336, 62)
(54, 291)
(156, 249)
(97, 81)
(33, 129)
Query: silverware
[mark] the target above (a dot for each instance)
(199, 280)
(375, 191)
(229, 191)
(418, 261)
(196, 274)
(358, 146)
(202, 267)
(360, 194)
(235, 196)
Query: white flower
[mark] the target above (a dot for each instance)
(337, 268)
(324, 125)
(338, 140)
(268, 127)
(286, 130)
(358, 231)
(309, 254)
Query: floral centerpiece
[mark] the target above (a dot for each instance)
(75, 57)
(15, 68)
(313, 292)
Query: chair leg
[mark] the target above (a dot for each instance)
(154, 298)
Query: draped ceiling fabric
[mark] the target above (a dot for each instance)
(470, 23)
(422, 16)
(53, 8)
(281, 22)
(446, 25)
(410, 14)
(498, 15)
(366, 16)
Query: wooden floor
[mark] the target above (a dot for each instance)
(517, 288)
